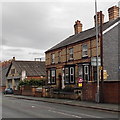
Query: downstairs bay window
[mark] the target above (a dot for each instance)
(70, 75)
(51, 76)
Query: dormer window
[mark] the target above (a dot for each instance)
(84, 50)
(71, 54)
(53, 58)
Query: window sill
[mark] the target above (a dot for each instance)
(70, 59)
(69, 83)
(84, 57)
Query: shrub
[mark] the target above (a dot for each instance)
(32, 82)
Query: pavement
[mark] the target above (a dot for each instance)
(78, 103)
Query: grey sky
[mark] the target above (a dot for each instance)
(30, 28)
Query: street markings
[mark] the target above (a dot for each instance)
(64, 113)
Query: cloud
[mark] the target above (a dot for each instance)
(21, 53)
(41, 25)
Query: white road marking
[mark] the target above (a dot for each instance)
(65, 113)
(74, 115)
(33, 106)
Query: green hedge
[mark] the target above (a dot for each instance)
(32, 82)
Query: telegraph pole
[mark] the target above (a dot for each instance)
(98, 90)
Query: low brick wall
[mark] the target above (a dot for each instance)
(27, 93)
(110, 91)
(17, 92)
(30, 91)
(38, 94)
(67, 96)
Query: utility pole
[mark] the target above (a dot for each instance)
(101, 56)
(98, 90)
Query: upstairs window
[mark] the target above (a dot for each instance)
(59, 57)
(84, 50)
(53, 58)
(71, 54)
(12, 71)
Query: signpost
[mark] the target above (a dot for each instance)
(80, 80)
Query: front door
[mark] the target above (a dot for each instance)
(60, 81)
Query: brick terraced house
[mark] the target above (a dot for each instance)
(69, 62)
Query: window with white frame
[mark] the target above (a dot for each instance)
(80, 71)
(48, 76)
(53, 77)
(12, 71)
(84, 50)
(71, 74)
(59, 56)
(71, 53)
(86, 73)
(66, 75)
(53, 58)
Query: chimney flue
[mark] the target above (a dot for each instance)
(98, 18)
(113, 12)
(77, 27)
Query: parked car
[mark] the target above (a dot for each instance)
(8, 91)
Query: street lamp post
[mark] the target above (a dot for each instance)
(97, 94)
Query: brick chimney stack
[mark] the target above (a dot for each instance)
(98, 18)
(77, 27)
(113, 12)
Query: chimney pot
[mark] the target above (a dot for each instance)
(77, 27)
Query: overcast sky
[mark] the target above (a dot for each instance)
(30, 28)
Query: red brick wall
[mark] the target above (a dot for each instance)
(110, 92)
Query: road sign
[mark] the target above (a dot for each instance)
(80, 80)
(94, 61)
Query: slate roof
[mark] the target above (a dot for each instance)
(32, 68)
(82, 35)
(3, 71)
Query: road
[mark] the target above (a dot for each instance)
(19, 108)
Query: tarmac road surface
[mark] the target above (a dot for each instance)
(19, 108)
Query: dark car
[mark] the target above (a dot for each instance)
(8, 91)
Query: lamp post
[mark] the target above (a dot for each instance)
(101, 55)
(98, 90)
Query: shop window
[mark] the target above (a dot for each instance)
(84, 50)
(71, 54)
